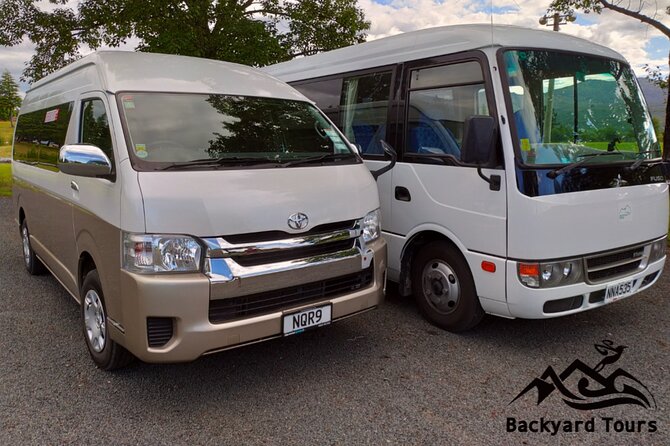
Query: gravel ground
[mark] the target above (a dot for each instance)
(385, 377)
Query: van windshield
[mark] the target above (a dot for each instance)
(189, 131)
(573, 108)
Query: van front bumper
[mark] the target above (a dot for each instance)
(185, 300)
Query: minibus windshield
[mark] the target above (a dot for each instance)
(196, 131)
(569, 108)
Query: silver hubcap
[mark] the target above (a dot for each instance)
(94, 321)
(26, 245)
(440, 286)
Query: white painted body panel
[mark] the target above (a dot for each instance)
(578, 223)
(226, 202)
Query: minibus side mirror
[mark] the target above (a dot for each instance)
(84, 160)
(479, 146)
(389, 151)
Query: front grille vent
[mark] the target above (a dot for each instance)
(285, 255)
(613, 265)
(159, 331)
(222, 310)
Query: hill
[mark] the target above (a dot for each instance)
(655, 97)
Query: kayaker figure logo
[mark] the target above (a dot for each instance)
(586, 388)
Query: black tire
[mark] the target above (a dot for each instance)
(107, 354)
(443, 287)
(33, 265)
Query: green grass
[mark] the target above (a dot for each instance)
(6, 135)
(5, 180)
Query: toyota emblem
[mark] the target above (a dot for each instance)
(298, 221)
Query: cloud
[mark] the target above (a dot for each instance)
(623, 34)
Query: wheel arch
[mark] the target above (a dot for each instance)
(416, 239)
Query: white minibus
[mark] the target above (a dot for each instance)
(191, 206)
(529, 180)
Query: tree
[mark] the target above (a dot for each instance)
(252, 32)
(10, 100)
(626, 8)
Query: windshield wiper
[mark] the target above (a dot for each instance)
(316, 159)
(205, 162)
(587, 156)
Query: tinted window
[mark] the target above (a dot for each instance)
(364, 110)
(440, 100)
(326, 93)
(40, 135)
(94, 126)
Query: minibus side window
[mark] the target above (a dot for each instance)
(40, 135)
(95, 127)
(326, 94)
(440, 100)
(364, 107)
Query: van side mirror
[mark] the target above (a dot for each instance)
(84, 160)
(389, 151)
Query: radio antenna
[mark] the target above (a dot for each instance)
(491, 13)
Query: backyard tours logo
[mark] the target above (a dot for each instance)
(587, 388)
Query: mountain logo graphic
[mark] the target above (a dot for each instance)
(593, 390)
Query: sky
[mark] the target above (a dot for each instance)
(639, 43)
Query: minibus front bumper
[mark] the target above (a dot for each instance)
(537, 303)
(176, 318)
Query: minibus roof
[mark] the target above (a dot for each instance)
(135, 71)
(431, 42)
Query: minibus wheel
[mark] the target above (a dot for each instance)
(107, 354)
(30, 260)
(444, 289)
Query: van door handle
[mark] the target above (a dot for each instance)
(74, 186)
(402, 194)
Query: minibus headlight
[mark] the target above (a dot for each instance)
(551, 274)
(371, 226)
(151, 253)
(657, 250)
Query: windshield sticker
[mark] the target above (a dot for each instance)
(141, 150)
(525, 144)
(51, 116)
(128, 102)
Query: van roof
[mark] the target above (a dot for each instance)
(136, 71)
(429, 43)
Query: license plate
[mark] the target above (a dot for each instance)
(619, 290)
(309, 318)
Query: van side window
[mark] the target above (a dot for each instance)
(364, 109)
(95, 127)
(326, 94)
(40, 135)
(440, 99)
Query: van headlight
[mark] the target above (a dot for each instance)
(371, 226)
(551, 274)
(153, 253)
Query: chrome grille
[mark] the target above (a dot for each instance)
(616, 264)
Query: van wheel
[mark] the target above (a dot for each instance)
(107, 354)
(30, 260)
(443, 288)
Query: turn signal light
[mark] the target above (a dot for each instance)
(489, 267)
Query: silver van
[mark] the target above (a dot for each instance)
(191, 206)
